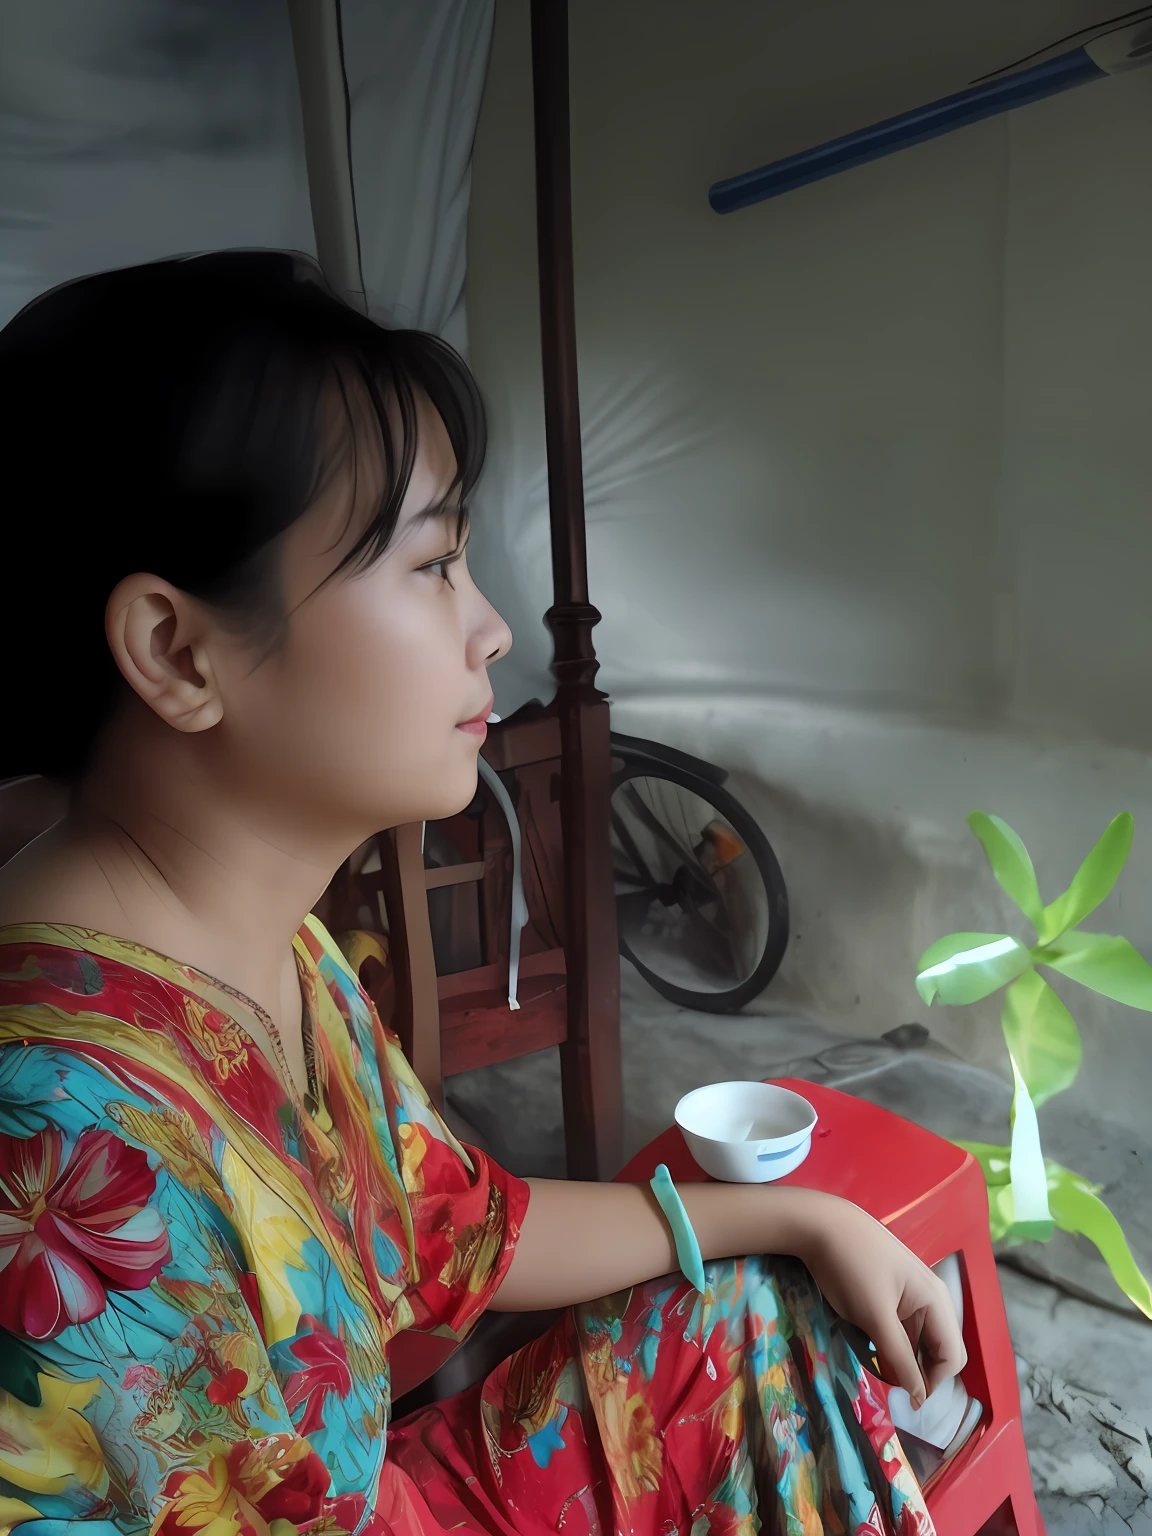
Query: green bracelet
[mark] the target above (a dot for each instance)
(687, 1248)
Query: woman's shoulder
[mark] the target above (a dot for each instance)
(104, 1018)
(59, 972)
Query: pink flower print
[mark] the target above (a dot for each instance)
(325, 1369)
(71, 1233)
(146, 1377)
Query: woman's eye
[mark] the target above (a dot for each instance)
(442, 567)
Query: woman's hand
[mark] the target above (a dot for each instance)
(872, 1280)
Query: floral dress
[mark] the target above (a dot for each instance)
(201, 1274)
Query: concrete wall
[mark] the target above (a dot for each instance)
(866, 515)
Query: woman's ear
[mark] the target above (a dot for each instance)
(159, 637)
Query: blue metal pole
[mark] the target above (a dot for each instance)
(939, 117)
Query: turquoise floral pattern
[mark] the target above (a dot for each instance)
(203, 1281)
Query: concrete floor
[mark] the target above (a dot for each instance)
(1084, 1355)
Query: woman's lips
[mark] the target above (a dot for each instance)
(478, 725)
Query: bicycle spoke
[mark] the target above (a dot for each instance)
(655, 825)
(630, 848)
(696, 889)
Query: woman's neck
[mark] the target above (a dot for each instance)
(163, 859)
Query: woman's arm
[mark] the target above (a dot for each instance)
(579, 1241)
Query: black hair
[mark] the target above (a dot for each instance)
(174, 418)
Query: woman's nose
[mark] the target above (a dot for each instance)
(502, 642)
(491, 637)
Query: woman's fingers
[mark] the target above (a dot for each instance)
(873, 1280)
(897, 1357)
(942, 1349)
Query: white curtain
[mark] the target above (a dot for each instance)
(134, 129)
(416, 72)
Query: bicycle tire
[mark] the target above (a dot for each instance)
(655, 751)
(647, 760)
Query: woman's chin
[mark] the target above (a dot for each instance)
(441, 790)
(451, 797)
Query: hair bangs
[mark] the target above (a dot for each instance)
(416, 364)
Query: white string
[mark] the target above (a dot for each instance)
(519, 905)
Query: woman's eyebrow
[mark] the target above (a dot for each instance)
(446, 513)
(435, 512)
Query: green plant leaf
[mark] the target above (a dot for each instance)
(993, 1160)
(1031, 1216)
(1077, 1207)
(994, 1163)
(1092, 883)
(1010, 864)
(1110, 966)
(1042, 1037)
(1001, 1217)
(964, 967)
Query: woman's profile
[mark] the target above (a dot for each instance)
(238, 624)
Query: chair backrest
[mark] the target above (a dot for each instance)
(405, 890)
(400, 880)
(28, 806)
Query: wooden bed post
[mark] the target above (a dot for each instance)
(590, 1057)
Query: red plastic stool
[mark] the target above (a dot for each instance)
(931, 1195)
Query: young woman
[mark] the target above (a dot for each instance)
(238, 623)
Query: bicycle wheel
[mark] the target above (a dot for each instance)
(701, 905)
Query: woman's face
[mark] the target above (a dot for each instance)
(357, 717)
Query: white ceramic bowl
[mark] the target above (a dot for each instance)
(746, 1133)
